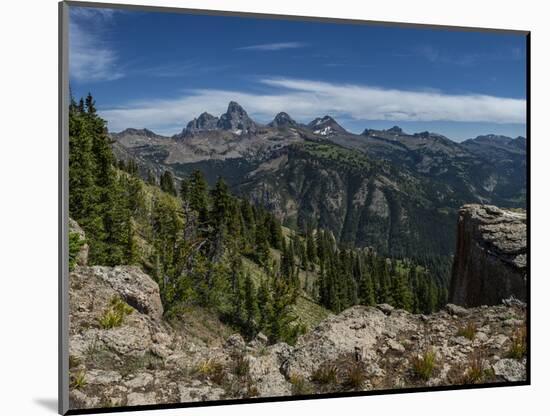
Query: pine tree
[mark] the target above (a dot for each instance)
(238, 313)
(219, 217)
(83, 193)
(275, 231)
(251, 306)
(151, 180)
(261, 244)
(402, 296)
(167, 183)
(90, 104)
(310, 247)
(198, 196)
(185, 187)
(265, 310)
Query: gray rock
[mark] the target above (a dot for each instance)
(203, 393)
(79, 399)
(498, 341)
(262, 338)
(510, 370)
(384, 307)
(396, 346)
(102, 377)
(235, 343)
(134, 286)
(141, 380)
(456, 310)
(512, 301)
(141, 399)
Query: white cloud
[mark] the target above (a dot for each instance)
(273, 46)
(91, 58)
(306, 99)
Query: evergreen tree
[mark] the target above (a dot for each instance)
(219, 217)
(151, 180)
(198, 196)
(251, 306)
(167, 183)
(310, 247)
(265, 310)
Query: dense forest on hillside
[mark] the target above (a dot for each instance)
(194, 240)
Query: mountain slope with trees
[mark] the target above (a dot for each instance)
(207, 248)
(394, 191)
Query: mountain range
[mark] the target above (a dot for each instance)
(396, 192)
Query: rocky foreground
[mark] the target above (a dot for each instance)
(124, 353)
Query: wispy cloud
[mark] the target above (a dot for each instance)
(346, 65)
(91, 56)
(179, 69)
(306, 99)
(437, 56)
(273, 46)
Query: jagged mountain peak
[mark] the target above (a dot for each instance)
(325, 126)
(236, 119)
(396, 130)
(234, 106)
(282, 119)
(492, 138)
(137, 132)
(205, 121)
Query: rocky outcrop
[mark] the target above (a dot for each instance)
(386, 343)
(124, 352)
(145, 360)
(135, 287)
(490, 262)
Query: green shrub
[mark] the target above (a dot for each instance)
(75, 244)
(78, 380)
(424, 365)
(114, 315)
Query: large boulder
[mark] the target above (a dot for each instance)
(490, 262)
(135, 287)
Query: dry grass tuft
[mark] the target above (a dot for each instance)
(423, 366)
(468, 331)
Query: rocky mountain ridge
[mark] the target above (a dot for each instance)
(423, 176)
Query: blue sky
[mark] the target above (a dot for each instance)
(159, 70)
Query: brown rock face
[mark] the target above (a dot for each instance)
(490, 261)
